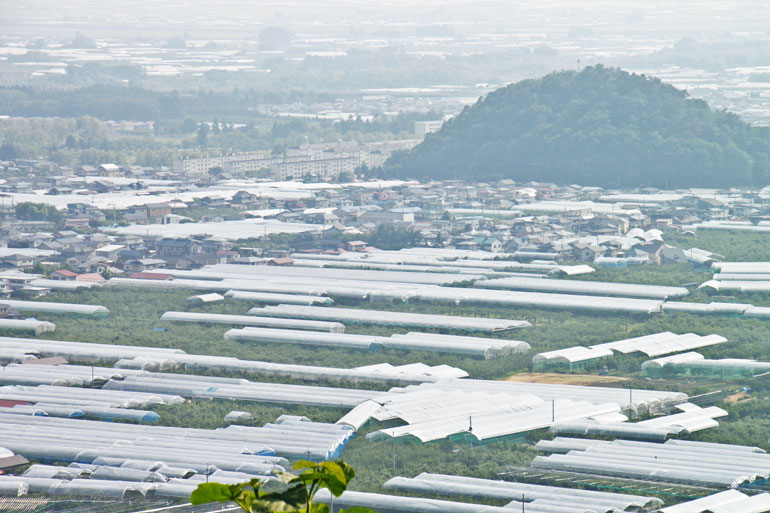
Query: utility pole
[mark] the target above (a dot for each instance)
(470, 430)
(393, 436)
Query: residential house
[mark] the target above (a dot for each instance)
(143, 264)
(63, 275)
(109, 170)
(169, 247)
(586, 252)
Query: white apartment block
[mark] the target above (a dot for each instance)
(326, 160)
(422, 128)
(325, 169)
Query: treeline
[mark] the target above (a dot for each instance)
(601, 127)
(403, 122)
(137, 104)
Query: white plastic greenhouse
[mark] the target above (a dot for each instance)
(472, 346)
(251, 320)
(56, 308)
(441, 484)
(384, 318)
(289, 299)
(677, 461)
(599, 288)
(149, 358)
(33, 325)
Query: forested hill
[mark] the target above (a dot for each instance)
(601, 127)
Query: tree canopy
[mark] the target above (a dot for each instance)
(600, 126)
(29, 211)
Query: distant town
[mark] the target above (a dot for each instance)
(113, 220)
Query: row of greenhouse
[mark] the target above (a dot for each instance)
(692, 419)
(746, 277)
(255, 450)
(676, 461)
(55, 308)
(390, 318)
(126, 388)
(531, 494)
(263, 272)
(39, 327)
(492, 410)
(547, 499)
(127, 479)
(209, 387)
(694, 364)
(253, 320)
(599, 288)
(655, 344)
(413, 341)
(299, 317)
(128, 358)
(31, 325)
(383, 291)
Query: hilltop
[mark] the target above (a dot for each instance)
(600, 126)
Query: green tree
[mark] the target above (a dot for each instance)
(600, 126)
(389, 237)
(8, 152)
(203, 135)
(345, 177)
(29, 211)
(188, 126)
(297, 497)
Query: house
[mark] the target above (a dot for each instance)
(213, 246)
(491, 244)
(86, 171)
(320, 218)
(143, 214)
(157, 210)
(173, 219)
(245, 198)
(357, 246)
(63, 275)
(17, 262)
(196, 261)
(229, 256)
(78, 222)
(143, 264)
(59, 190)
(92, 265)
(109, 170)
(389, 217)
(468, 245)
(102, 186)
(177, 247)
(586, 252)
(10, 464)
(91, 278)
(281, 262)
(110, 252)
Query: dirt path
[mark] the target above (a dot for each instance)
(565, 379)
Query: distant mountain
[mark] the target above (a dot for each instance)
(601, 127)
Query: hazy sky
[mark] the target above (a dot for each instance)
(645, 15)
